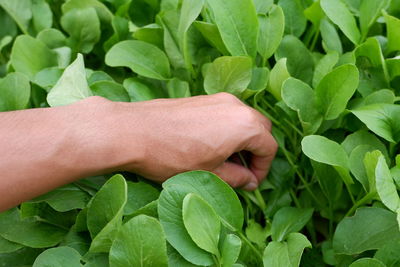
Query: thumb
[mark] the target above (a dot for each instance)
(237, 175)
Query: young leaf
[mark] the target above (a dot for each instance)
(143, 58)
(369, 12)
(139, 195)
(20, 11)
(15, 91)
(140, 242)
(42, 17)
(295, 21)
(296, 243)
(178, 88)
(29, 56)
(8, 246)
(72, 86)
(288, 220)
(385, 185)
(110, 90)
(324, 66)
(336, 89)
(139, 91)
(230, 250)
(393, 33)
(228, 74)
(237, 22)
(370, 228)
(271, 31)
(367, 262)
(330, 36)
(276, 254)
(211, 33)
(201, 222)
(278, 75)
(338, 12)
(59, 256)
(381, 119)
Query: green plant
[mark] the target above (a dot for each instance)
(325, 72)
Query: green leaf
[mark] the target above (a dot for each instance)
(330, 36)
(15, 91)
(339, 13)
(29, 56)
(369, 12)
(295, 21)
(237, 22)
(263, 6)
(301, 98)
(230, 250)
(367, 262)
(143, 58)
(102, 11)
(259, 79)
(228, 74)
(298, 58)
(20, 11)
(22, 257)
(381, 119)
(8, 246)
(211, 33)
(110, 90)
(389, 254)
(385, 185)
(53, 38)
(28, 232)
(83, 27)
(356, 162)
(277, 76)
(178, 88)
(393, 33)
(104, 215)
(72, 85)
(276, 254)
(288, 220)
(336, 89)
(139, 91)
(329, 180)
(140, 242)
(362, 137)
(271, 31)
(370, 228)
(60, 257)
(296, 243)
(201, 222)
(139, 195)
(324, 66)
(42, 15)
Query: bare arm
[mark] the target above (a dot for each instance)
(42, 149)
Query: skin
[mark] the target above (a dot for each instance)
(49, 147)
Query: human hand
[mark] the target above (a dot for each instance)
(164, 137)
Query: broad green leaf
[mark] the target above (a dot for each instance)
(42, 17)
(72, 85)
(104, 215)
(324, 150)
(218, 194)
(60, 257)
(298, 57)
(78, 241)
(338, 12)
(259, 79)
(22, 257)
(15, 91)
(139, 195)
(369, 12)
(389, 254)
(121, 31)
(48, 77)
(362, 137)
(367, 262)
(383, 96)
(29, 232)
(329, 180)
(288, 220)
(143, 58)
(83, 27)
(336, 89)
(381, 119)
(20, 11)
(295, 21)
(370, 228)
(237, 22)
(228, 74)
(8, 246)
(65, 198)
(190, 10)
(385, 186)
(256, 233)
(330, 37)
(277, 76)
(324, 66)
(263, 6)
(393, 33)
(178, 88)
(301, 98)
(201, 222)
(296, 243)
(276, 254)
(370, 162)
(314, 13)
(211, 33)
(140, 242)
(110, 90)
(230, 250)
(271, 29)
(139, 91)
(53, 38)
(356, 163)
(175, 259)
(102, 11)
(29, 56)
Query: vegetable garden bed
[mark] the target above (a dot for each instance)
(325, 72)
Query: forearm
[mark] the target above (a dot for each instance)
(42, 149)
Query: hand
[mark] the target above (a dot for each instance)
(197, 133)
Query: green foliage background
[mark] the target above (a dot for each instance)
(325, 72)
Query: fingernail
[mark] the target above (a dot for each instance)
(251, 186)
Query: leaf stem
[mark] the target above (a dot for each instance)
(360, 202)
(256, 251)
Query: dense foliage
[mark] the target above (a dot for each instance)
(326, 72)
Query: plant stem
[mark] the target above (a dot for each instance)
(362, 201)
(256, 251)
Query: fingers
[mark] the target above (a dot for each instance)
(237, 175)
